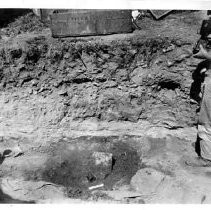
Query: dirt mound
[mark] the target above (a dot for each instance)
(23, 24)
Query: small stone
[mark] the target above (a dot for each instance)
(133, 85)
(170, 48)
(144, 66)
(63, 92)
(21, 66)
(158, 61)
(30, 91)
(170, 63)
(6, 101)
(56, 84)
(96, 84)
(192, 101)
(41, 89)
(17, 151)
(106, 56)
(133, 52)
(111, 84)
(181, 57)
(177, 91)
(67, 55)
(178, 43)
(34, 82)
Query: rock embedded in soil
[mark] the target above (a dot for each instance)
(103, 164)
(147, 180)
(102, 158)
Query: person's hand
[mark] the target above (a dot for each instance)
(202, 54)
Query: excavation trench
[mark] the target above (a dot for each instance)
(49, 87)
(86, 162)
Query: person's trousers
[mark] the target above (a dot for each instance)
(204, 121)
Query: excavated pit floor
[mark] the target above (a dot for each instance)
(79, 164)
(89, 161)
(124, 168)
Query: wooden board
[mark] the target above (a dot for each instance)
(91, 22)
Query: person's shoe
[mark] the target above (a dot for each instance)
(198, 162)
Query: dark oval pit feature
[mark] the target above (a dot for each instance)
(87, 162)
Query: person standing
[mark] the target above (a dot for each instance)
(203, 142)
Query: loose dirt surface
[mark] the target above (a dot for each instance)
(100, 119)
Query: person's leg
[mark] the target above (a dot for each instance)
(203, 142)
(204, 126)
(204, 139)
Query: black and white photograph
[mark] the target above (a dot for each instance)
(105, 106)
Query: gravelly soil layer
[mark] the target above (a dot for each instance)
(143, 76)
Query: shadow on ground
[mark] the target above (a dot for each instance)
(4, 198)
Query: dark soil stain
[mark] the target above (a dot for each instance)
(72, 165)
